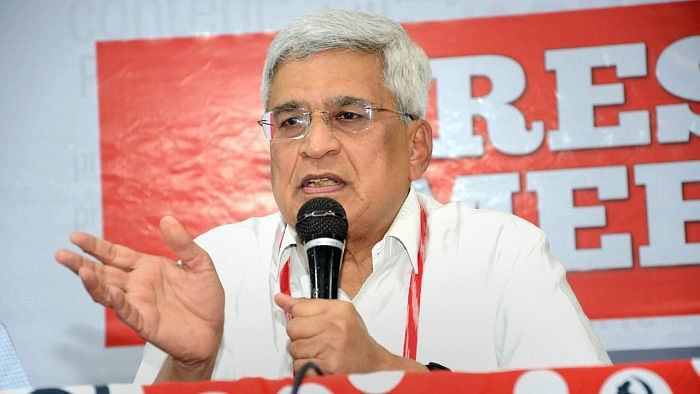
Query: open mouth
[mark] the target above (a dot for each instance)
(320, 182)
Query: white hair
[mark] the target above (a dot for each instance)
(406, 70)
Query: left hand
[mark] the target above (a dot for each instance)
(331, 334)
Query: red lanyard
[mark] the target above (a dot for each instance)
(410, 341)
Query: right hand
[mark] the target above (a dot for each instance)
(178, 308)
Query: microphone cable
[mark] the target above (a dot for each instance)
(299, 376)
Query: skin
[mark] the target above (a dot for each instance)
(154, 295)
(376, 166)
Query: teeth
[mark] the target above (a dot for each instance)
(322, 182)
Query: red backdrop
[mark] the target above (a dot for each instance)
(178, 136)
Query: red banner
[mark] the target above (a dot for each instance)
(666, 378)
(572, 120)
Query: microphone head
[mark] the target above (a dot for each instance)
(321, 217)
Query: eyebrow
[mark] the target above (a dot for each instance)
(346, 100)
(338, 101)
(287, 107)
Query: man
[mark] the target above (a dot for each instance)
(345, 94)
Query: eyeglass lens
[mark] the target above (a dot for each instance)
(288, 124)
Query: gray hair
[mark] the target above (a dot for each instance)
(406, 72)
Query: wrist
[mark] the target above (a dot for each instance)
(186, 371)
(392, 362)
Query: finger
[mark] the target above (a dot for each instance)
(306, 348)
(304, 327)
(286, 302)
(92, 285)
(110, 275)
(105, 251)
(71, 260)
(305, 307)
(125, 311)
(181, 242)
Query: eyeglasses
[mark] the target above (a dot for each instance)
(292, 123)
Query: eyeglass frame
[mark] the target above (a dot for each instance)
(306, 113)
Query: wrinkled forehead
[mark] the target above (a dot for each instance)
(329, 103)
(301, 59)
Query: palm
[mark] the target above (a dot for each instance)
(181, 310)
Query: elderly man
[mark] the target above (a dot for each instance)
(345, 95)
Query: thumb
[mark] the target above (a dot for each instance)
(181, 242)
(286, 302)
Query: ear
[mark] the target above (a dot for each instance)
(421, 148)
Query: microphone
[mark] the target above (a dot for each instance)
(323, 228)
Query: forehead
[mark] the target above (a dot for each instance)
(333, 102)
(323, 77)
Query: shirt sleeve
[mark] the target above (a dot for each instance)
(539, 320)
(152, 362)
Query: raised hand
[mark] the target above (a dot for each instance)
(331, 334)
(177, 306)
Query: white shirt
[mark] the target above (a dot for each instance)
(492, 296)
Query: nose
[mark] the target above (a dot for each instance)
(320, 139)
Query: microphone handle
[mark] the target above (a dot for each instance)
(325, 259)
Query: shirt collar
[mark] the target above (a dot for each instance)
(405, 228)
(286, 237)
(289, 237)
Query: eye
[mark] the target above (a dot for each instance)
(289, 121)
(348, 116)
